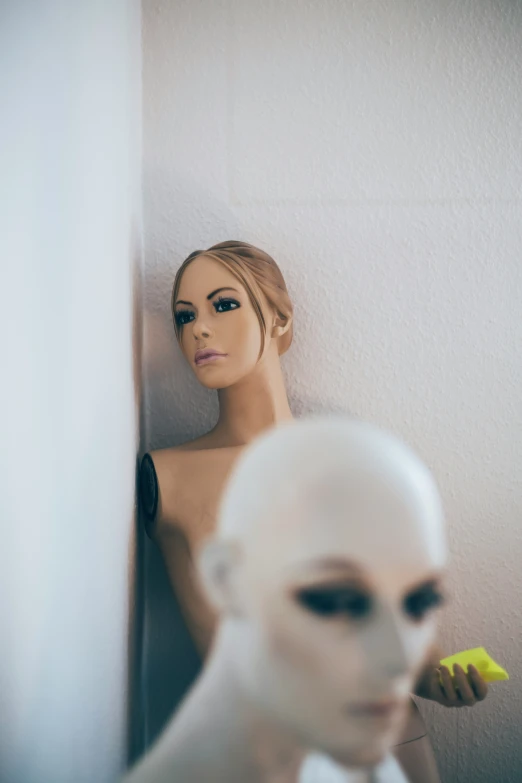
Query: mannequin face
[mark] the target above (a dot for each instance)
(335, 585)
(221, 336)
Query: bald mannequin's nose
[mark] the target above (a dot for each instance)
(384, 646)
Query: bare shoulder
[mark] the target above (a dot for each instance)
(181, 486)
(169, 463)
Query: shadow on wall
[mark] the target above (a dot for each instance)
(170, 660)
(176, 409)
(135, 588)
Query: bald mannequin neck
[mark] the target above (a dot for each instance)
(239, 743)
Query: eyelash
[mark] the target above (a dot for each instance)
(335, 601)
(225, 301)
(418, 604)
(356, 604)
(186, 316)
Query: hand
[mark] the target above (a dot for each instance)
(461, 690)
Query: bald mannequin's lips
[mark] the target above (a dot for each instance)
(205, 356)
(377, 709)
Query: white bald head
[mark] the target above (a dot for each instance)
(335, 466)
(325, 570)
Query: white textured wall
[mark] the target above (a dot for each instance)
(69, 388)
(374, 148)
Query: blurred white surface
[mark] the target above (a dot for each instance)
(69, 247)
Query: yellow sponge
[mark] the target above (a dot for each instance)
(479, 658)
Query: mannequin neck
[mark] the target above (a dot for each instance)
(220, 735)
(235, 742)
(254, 403)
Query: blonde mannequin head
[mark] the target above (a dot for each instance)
(231, 298)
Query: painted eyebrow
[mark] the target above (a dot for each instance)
(218, 290)
(340, 563)
(210, 296)
(335, 562)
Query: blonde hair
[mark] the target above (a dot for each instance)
(259, 275)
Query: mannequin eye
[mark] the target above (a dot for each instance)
(335, 601)
(423, 600)
(224, 305)
(184, 317)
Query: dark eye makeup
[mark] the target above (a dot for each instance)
(184, 317)
(354, 602)
(422, 600)
(335, 600)
(224, 304)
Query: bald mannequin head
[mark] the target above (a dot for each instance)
(325, 571)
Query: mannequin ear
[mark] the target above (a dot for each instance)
(218, 564)
(280, 326)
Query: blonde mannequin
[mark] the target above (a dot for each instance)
(324, 571)
(231, 299)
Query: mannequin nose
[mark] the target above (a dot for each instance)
(201, 331)
(385, 646)
(396, 663)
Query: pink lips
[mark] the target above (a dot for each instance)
(206, 355)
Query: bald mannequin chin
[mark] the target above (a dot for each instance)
(325, 572)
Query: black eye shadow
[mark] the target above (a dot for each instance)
(422, 600)
(335, 601)
(183, 317)
(225, 304)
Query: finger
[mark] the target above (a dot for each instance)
(479, 685)
(465, 690)
(435, 689)
(447, 686)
